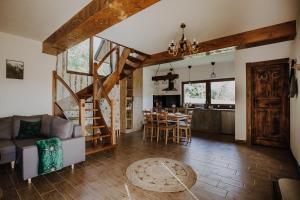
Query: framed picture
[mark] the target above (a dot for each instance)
(14, 69)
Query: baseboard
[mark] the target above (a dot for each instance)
(240, 141)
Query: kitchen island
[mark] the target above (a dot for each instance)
(221, 121)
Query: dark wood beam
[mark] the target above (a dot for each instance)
(91, 20)
(169, 76)
(262, 36)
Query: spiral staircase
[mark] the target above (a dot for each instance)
(78, 97)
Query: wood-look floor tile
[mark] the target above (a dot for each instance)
(69, 192)
(54, 178)
(42, 185)
(29, 193)
(53, 195)
(224, 171)
(10, 194)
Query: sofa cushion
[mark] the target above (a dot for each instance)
(61, 128)
(29, 130)
(46, 124)
(7, 151)
(23, 143)
(17, 119)
(6, 128)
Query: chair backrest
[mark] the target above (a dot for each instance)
(147, 117)
(162, 118)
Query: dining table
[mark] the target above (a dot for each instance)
(176, 117)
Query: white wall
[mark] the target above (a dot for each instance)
(256, 54)
(33, 94)
(295, 102)
(202, 72)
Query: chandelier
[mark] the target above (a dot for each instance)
(183, 46)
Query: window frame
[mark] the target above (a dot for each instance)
(91, 60)
(208, 93)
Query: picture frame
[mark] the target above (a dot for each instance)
(14, 69)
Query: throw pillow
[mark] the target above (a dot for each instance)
(17, 119)
(29, 130)
(46, 124)
(6, 128)
(61, 128)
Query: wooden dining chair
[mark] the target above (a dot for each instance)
(149, 126)
(165, 127)
(185, 129)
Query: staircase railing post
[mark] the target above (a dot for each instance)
(113, 130)
(82, 119)
(54, 91)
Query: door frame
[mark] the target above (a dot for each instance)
(249, 95)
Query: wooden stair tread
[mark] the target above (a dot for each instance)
(96, 149)
(129, 67)
(92, 117)
(134, 59)
(96, 137)
(77, 118)
(98, 126)
(91, 109)
(88, 109)
(132, 64)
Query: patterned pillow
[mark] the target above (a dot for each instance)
(29, 130)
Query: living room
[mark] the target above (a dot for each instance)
(149, 99)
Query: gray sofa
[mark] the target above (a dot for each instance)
(24, 151)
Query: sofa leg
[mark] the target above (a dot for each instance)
(29, 181)
(72, 166)
(12, 164)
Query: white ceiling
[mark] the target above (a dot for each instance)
(151, 30)
(36, 19)
(197, 61)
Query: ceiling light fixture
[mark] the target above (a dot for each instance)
(189, 67)
(183, 46)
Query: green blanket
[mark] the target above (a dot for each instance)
(50, 155)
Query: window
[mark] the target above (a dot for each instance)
(100, 49)
(195, 93)
(79, 58)
(223, 92)
(217, 93)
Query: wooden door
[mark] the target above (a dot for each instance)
(268, 103)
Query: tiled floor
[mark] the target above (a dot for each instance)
(225, 171)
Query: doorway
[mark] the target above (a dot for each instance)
(268, 105)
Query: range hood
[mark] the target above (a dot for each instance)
(170, 77)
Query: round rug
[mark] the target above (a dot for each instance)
(157, 174)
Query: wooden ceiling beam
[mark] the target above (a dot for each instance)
(97, 16)
(262, 36)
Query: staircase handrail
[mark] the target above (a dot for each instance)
(96, 66)
(61, 80)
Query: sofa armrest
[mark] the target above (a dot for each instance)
(77, 131)
(73, 150)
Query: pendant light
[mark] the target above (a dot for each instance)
(190, 67)
(213, 74)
